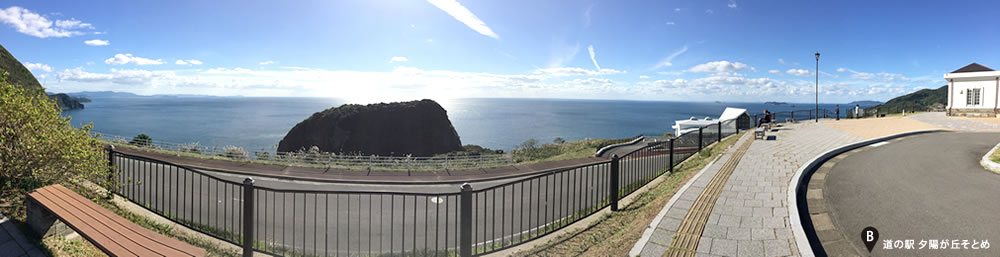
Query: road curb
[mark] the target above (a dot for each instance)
(806, 239)
(989, 164)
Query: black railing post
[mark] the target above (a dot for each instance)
(614, 182)
(672, 155)
(720, 132)
(111, 171)
(465, 225)
(699, 137)
(248, 217)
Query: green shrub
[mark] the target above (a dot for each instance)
(558, 140)
(141, 140)
(39, 147)
(190, 148)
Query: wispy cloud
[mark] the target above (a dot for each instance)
(460, 13)
(120, 59)
(732, 4)
(709, 11)
(586, 15)
(188, 62)
(36, 67)
(775, 72)
(593, 56)
(781, 61)
(34, 24)
(562, 54)
(398, 59)
(670, 23)
(668, 61)
(266, 62)
(96, 42)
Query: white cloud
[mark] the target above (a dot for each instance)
(460, 13)
(188, 62)
(398, 59)
(643, 77)
(781, 61)
(572, 71)
(120, 59)
(266, 62)
(731, 4)
(36, 67)
(670, 23)
(668, 61)
(96, 42)
(841, 69)
(73, 24)
(33, 24)
(798, 72)
(593, 57)
(709, 11)
(721, 66)
(677, 9)
(586, 15)
(775, 72)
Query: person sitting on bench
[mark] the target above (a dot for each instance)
(766, 119)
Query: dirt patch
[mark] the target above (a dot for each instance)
(877, 127)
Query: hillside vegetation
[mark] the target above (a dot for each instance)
(20, 76)
(922, 100)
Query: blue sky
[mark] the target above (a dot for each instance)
(367, 51)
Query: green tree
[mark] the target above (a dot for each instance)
(559, 140)
(141, 140)
(39, 147)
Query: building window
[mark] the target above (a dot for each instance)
(972, 96)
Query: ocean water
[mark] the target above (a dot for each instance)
(259, 123)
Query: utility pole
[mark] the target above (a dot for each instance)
(817, 86)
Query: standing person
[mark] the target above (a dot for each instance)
(836, 110)
(857, 110)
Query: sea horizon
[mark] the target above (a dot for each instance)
(259, 123)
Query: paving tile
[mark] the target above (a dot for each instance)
(761, 234)
(704, 245)
(738, 233)
(714, 231)
(724, 247)
(662, 237)
(653, 250)
(776, 248)
(750, 249)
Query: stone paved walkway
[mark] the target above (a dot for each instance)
(13, 243)
(941, 120)
(750, 218)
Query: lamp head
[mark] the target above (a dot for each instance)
(817, 56)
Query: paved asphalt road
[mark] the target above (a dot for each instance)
(380, 219)
(921, 187)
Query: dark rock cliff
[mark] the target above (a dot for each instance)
(420, 128)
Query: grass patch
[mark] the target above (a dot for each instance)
(530, 152)
(616, 233)
(995, 157)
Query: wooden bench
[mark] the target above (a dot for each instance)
(758, 133)
(52, 208)
(766, 125)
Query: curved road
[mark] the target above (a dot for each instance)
(921, 187)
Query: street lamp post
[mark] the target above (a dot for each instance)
(817, 86)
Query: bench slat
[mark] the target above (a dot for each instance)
(176, 247)
(106, 242)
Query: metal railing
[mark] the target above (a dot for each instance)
(474, 219)
(321, 159)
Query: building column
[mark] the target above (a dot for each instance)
(951, 95)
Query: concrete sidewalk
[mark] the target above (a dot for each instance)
(13, 243)
(750, 216)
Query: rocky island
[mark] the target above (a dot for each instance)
(417, 128)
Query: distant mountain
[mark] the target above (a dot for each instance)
(102, 94)
(865, 103)
(19, 75)
(922, 100)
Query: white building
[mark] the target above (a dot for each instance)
(972, 91)
(731, 119)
